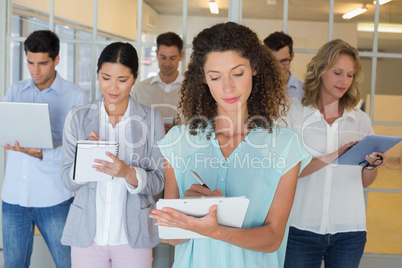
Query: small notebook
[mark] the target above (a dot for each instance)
(85, 154)
(231, 212)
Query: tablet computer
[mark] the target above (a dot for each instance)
(371, 143)
(27, 123)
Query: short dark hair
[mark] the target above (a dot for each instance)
(169, 39)
(43, 41)
(119, 52)
(278, 40)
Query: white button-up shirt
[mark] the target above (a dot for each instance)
(176, 84)
(111, 195)
(331, 199)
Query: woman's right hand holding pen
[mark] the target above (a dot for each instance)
(199, 190)
(93, 136)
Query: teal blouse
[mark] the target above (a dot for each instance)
(252, 170)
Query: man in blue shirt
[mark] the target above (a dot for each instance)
(33, 193)
(281, 45)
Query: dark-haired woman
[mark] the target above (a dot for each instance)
(108, 223)
(231, 96)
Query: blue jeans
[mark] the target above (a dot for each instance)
(18, 230)
(308, 249)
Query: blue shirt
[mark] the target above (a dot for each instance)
(295, 87)
(252, 170)
(30, 181)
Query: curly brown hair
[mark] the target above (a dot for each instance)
(267, 101)
(325, 58)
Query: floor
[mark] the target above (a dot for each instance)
(368, 261)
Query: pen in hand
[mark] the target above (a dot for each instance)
(198, 179)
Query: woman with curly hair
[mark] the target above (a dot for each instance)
(232, 94)
(328, 219)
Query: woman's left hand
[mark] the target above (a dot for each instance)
(207, 225)
(375, 157)
(117, 168)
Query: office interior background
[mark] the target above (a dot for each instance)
(85, 27)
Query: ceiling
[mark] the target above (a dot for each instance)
(311, 10)
(299, 10)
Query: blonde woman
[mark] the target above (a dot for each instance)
(328, 216)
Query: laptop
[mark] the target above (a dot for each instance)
(27, 123)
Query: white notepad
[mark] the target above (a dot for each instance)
(85, 154)
(231, 212)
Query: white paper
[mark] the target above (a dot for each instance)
(87, 152)
(231, 212)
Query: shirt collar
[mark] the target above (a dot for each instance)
(55, 86)
(157, 79)
(308, 110)
(350, 114)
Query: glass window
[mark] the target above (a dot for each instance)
(309, 33)
(388, 95)
(65, 32)
(298, 66)
(390, 28)
(16, 56)
(16, 25)
(366, 83)
(35, 24)
(200, 17)
(66, 53)
(148, 63)
(16, 50)
(84, 68)
(348, 29)
(263, 17)
(33, 14)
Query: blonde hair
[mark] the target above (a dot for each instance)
(326, 57)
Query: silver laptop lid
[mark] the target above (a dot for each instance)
(27, 123)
